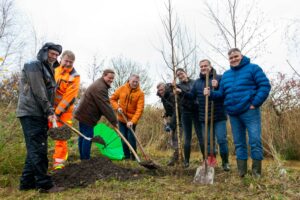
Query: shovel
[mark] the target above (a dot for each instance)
(212, 159)
(59, 133)
(146, 164)
(205, 173)
(96, 139)
(139, 144)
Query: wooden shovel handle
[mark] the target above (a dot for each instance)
(75, 130)
(137, 140)
(127, 143)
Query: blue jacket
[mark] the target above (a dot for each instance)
(243, 86)
(197, 93)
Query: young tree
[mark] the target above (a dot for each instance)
(95, 68)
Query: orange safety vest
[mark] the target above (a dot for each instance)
(68, 83)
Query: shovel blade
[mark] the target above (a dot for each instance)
(149, 164)
(98, 140)
(204, 175)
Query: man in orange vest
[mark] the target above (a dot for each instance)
(68, 83)
(129, 100)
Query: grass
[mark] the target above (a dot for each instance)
(167, 183)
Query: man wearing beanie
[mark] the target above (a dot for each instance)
(35, 108)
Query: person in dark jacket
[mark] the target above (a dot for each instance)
(219, 117)
(165, 93)
(94, 104)
(189, 114)
(244, 88)
(35, 108)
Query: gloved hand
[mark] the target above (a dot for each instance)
(120, 110)
(167, 128)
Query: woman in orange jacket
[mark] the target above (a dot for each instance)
(129, 100)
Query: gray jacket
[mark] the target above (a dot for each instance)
(37, 86)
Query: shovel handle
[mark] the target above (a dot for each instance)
(54, 123)
(127, 143)
(137, 140)
(75, 130)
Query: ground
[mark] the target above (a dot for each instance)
(102, 179)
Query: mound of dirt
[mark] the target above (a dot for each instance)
(87, 172)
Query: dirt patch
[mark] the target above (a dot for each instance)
(60, 133)
(87, 172)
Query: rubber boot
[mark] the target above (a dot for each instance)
(256, 168)
(225, 163)
(173, 159)
(242, 167)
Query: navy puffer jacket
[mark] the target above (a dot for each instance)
(243, 86)
(197, 94)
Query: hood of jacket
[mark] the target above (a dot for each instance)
(42, 55)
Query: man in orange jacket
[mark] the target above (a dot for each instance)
(68, 83)
(129, 100)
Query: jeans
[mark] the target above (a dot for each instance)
(126, 132)
(34, 173)
(83, 144)
(188, 119)
(250, 120)
(219, 132)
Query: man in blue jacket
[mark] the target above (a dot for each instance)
(244, 88)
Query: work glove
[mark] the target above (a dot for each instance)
(167, 128)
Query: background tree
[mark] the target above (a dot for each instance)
(94, 69)
(240, 24)
(124, 67)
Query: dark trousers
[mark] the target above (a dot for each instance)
(34, 173)
(188, 119)
(84, 145)
(129, 137)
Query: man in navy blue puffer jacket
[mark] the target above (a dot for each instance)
(244, 88)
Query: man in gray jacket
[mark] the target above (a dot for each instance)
(35, 108)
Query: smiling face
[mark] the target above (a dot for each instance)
(52, 56)
(235, 58)
(204, 67)
(182, 76)
(109, 78)
(134, 82)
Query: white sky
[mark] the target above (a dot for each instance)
(133, 28)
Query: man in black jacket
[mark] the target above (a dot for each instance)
(165, 93)
(35, 108)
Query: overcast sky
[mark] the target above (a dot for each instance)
(133, 28)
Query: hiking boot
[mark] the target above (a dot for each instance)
(186, 164)
(225, 163)
(26, 188)
(173, 159)
(53, 189)
(242, 167)
(256, 168)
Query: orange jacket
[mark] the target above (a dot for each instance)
(68, 83)
(130, 100)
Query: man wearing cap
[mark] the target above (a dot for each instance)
(35, 108)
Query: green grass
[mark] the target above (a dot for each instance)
(167, 183)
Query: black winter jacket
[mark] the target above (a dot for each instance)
(37, 85)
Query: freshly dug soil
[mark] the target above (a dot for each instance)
(60, 133)
(87, 172)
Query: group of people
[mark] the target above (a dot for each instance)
(48, 90)
(238, 93)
